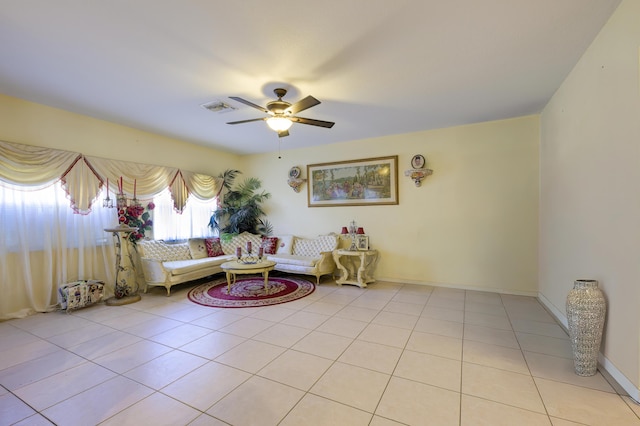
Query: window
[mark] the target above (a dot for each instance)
(40, 219)
(45, 244)
(193, 222)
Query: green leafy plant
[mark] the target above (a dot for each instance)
(240, 210)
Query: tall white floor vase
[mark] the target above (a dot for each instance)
(585, 314)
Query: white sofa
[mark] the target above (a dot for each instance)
(167, 264)
(308, 256)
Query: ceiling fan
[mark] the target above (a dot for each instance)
(282, 113)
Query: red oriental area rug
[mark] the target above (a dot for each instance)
(249, 292)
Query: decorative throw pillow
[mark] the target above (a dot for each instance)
(213, 247)
(285, 244)
(270, 245)
(197, 248)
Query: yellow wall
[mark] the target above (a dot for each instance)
(35, 124)
(589, 202)
(472, 224)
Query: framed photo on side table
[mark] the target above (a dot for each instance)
(362, 242)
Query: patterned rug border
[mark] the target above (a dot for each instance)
(201, 294)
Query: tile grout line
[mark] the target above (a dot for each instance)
(546, 410)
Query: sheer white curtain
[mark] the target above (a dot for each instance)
(44, 244)
(192, 222)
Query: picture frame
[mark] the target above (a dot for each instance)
(362, 242)
(364, 182)
(418, 161)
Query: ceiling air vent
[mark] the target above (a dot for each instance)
(217, 106)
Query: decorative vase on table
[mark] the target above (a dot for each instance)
(586, 309)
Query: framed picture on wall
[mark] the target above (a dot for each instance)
(370, 181)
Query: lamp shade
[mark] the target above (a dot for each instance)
(344, 230)
(360, 231)
(279, 124)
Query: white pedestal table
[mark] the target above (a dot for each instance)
(124, 292)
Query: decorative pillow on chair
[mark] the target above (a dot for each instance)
(213, 247)
(270, 245)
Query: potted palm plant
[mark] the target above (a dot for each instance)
(240, 209)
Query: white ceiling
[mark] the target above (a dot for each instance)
(379, 67)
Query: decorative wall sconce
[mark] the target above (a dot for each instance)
(295, 182)
(418, 171)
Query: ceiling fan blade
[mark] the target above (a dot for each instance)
(283, 133)
(247, 121)
(303, 104)
(312, 122)
(251, 104)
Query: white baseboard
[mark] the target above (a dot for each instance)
(553, 311)
(461, 287)
(615, 374)
(606, 365)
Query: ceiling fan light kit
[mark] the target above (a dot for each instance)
(282, 113)
(279, 124)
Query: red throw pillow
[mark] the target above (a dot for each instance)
(270, 245)
(213, 247)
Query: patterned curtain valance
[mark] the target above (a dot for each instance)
(83, 177)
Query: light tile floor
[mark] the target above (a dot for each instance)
(390, 354)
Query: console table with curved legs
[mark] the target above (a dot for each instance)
(357, 266)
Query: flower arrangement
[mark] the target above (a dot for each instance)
(137, 216)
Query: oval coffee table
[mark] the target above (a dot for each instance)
(234, 268)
